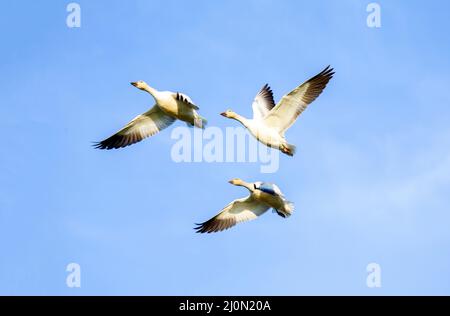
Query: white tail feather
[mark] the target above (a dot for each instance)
(287, 209)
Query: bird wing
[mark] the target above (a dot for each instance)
(284, 114)
(186, 100)
(269, 188)
(263, 103)
(240, 210)
(142, 126)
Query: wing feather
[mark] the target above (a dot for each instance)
(240, 210)
(142, 126)
(263, 103)
(186, 100)
(284, 114)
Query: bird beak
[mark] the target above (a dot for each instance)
(223, 114)
(134, 84)
(230, 182)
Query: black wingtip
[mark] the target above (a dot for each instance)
(326, 74)
(99, 145)
(328, 71)
(202, 228)
(113, 142)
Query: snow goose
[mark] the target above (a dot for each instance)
(169, 107)
(263, 196)
(270, 121)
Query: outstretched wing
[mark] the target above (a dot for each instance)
(186, 100)
(240, 210)
(263, 103)
(142, 126)
(284, 114)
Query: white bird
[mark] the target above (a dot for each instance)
(263, 196)
(169, 107)
(271, 121)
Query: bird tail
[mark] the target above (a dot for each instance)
(287, 209)
(288, 149)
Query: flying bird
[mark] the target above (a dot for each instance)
(263, 196)
(271, 121)
(169, 107)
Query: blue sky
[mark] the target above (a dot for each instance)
(370, 179)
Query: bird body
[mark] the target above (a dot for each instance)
(169, 107)
(271, 195)
(263, 196)
(270, 121)
(177, 105)
(267, 135)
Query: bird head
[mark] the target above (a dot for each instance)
(228, 114)
(236, 181)
(139, 84)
